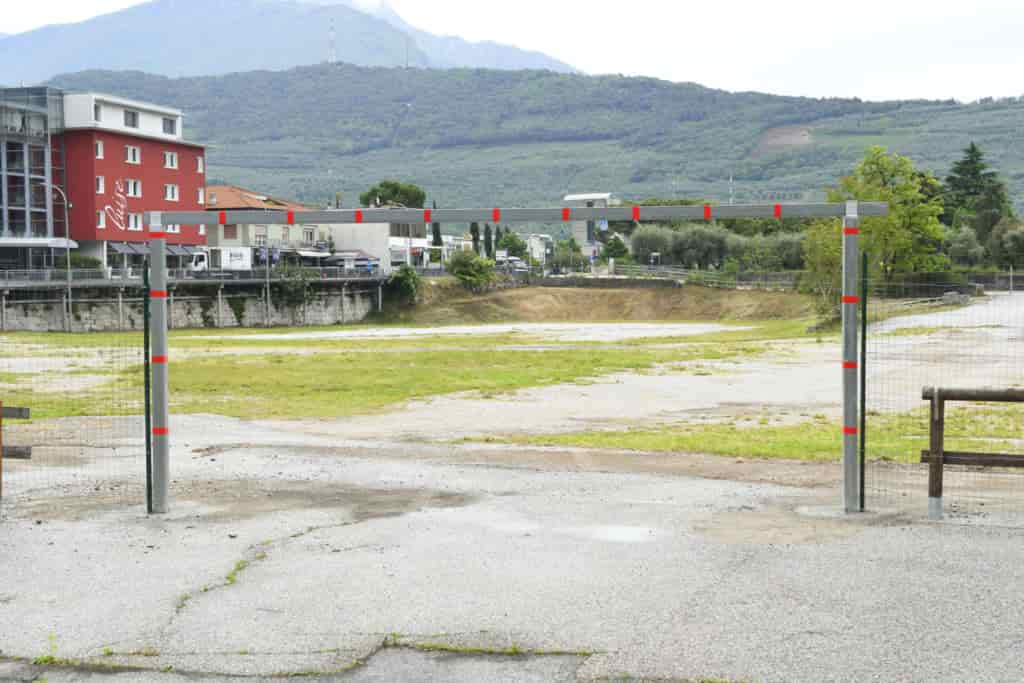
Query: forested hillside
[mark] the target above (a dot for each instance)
(527, 137)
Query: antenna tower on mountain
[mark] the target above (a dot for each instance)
(332, 52)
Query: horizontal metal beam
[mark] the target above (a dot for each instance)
(976, 459)
(992, 395)
(548, 215)
(16, 413)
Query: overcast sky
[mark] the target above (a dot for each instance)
(874, 49)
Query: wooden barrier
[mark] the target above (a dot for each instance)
(937, 457)
(10, 452)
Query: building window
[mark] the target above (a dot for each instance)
(231, 232)
(100, 184)
(200, 165)
(173, 229)
(97, 112)
(170, 126)
(99, 149)
(101, 219)
(131, 119)
(134, 188)
(170, 160)
(286, 234)
(260, 238)
(135, 222)
(307, 235)
(202, 229)
(171, 193)
(202, 195)
(132, 154)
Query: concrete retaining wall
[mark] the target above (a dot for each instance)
(104, 311)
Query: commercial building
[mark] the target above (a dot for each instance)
(113, 159)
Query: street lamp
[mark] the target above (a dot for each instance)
(67, 248)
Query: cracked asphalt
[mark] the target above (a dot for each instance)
(444, 563)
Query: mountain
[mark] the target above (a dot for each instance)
(520, 138)
(452, 51)
(207, 37)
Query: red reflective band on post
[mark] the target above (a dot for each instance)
(160, 359)
(158, 294)
(851, 299)
(157, 235)
(222, 217)
(707, 212)
(565, 214)
(496, 214)
(851, 231)
(778, 210)
(291, 218)
(359, 216)
(426, 215)
(850, 365)
(161, 431)
(636, 214)
(850, 431)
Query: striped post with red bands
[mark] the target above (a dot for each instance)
(850, 431)
(161, 431)
(850, 365)
(851, 231)
(851, 299)
(157, 235)
(160, 360)
(158, 294)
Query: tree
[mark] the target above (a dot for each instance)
(488, 242)
(964, 247)
(910, 237)
(474, 232)
(651, 239)
(438, 241)
(975, 196)
(513, 244)
(497, 236)
(823, 253)
(474, 272)
(614, 248)
(394, 192)
(405, 285)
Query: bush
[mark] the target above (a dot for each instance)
(78, 261)
(405, 284)
(650, 239)
(474, 272)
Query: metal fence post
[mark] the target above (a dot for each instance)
(146, 382)
(851, 309)
(161, 413)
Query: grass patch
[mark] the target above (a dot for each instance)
(896, 437)
(232, 576)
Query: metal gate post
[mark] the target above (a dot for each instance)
(158, 310)
(851, 309)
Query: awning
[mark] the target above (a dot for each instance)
(313, 254)
(175, 250)
(122, 248)
(38, 242)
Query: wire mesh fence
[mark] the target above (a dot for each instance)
(84, 393)
(950, 335)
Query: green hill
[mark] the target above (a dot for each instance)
(476, 137)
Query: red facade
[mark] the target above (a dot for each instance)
(121, 179)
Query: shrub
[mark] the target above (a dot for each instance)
(404, 285)
(474, 272)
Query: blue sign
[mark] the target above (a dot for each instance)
(263, 254)
(277, 255)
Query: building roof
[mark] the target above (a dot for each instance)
(231, 197)
(595, 196)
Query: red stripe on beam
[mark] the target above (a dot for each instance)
(566, 213)
(778, 211)
(160, 359)
(850, 365)
(707, 212)
(636, 214)
(158, 235)
(161, 431)
(496, 215)
(851, 231)
(158, 294)
(426, 215)
(291, 218)
(850, 431)
(359, 216)
(222, 217)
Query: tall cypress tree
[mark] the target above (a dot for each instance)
(438, 240)
(488, 243)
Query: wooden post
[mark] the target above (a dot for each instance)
(936, 428)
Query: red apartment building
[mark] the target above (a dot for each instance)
(124, 158)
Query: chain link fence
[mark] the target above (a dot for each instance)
(85, 396)
(947, 333)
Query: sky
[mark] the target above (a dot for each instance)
(872, 49)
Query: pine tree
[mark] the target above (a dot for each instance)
(975, 196)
